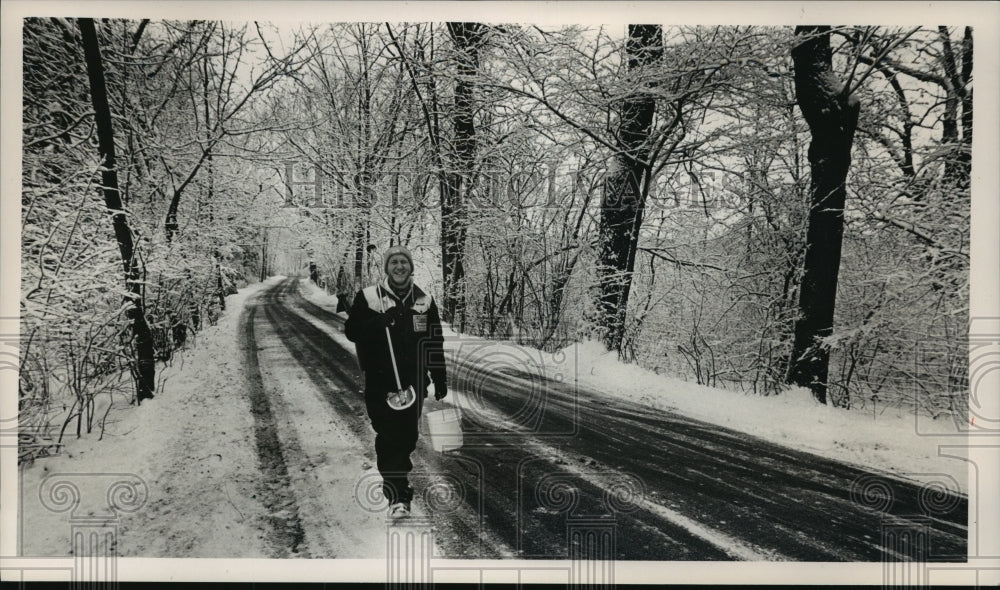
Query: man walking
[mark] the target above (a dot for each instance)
(396, 329)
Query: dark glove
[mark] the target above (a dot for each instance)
(440, 390)
(392, 315)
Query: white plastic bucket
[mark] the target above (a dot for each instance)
(445, 429)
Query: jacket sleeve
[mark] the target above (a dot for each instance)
(435, 347)
(363, 322)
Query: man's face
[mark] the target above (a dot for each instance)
(399, 269)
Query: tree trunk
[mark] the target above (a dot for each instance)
(832, 117)
(452, 242)
(144, 371)
(458, 184)
(171, 226)
(263, 256)
(220, 288)
(624, 190)
(967, 103)
(358, 234)
(958, 111)
(360, 278)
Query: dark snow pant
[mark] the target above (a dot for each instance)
(395, 439)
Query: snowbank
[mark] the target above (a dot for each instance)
(194, 440)
(317, 295)
(893, 441)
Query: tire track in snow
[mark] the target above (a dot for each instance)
(672, 521)
(338, 383)
(288, 534)
(327, 450)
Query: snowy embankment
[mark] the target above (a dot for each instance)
(893, 440)
(193, 448)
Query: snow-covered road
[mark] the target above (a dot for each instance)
(549, 467)
(259, 445)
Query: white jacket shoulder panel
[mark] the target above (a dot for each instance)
(372, 298)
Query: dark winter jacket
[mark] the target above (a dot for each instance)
(416, 338)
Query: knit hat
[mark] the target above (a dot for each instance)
(389, 253)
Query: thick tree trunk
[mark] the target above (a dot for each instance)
(832, 117)
(359, 255)
(456, 185)
(145, 369)
(452, 246)
(958, 108)
(624, 191)
(220, 288)
(967, 101)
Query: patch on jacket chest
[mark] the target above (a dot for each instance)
(421, 305)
